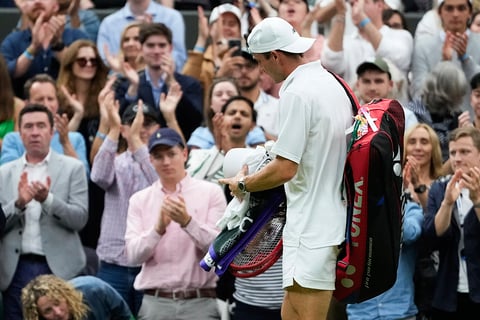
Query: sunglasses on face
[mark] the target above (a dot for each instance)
(82, 62)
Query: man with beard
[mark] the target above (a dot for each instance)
(247, 75)
(39, 48)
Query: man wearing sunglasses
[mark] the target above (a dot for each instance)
(40, 47)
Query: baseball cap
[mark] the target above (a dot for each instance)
(223, 8)
(277, 34)
(131, 111)
(374, 64)
(164, 137)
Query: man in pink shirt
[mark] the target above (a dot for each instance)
(170, 226)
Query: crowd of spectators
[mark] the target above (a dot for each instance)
(108, 126)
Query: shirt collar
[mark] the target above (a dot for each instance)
(160, 82)
(128, 14)
(45, 160)
(180, 185)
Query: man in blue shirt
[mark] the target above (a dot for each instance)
(158, 77)
(87, 298)
(145, 10)
(41, 89)
(39, 48)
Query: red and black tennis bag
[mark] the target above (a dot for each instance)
(368, 261)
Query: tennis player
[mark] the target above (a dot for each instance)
(310, 155)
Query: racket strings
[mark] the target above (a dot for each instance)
(264, 249)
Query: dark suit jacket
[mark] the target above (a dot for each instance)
(189, 110)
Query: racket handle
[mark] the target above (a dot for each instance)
(208, 261)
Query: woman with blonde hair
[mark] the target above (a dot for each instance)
(130, 50)
(422, 160)
(49, 297)
(422, 165)
(50, 287)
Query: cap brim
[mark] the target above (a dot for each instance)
(301, 45)
(165, 142)
(369, 66)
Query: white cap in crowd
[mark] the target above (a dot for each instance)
(224, 8)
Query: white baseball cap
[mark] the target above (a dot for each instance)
(277, 34)
(223, 8)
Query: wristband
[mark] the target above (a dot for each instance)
(199, 49)
(28, 55)
(464, 57)
(100, 135)
(364, 22)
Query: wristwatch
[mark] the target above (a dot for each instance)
(420, 189)
(241, 185)
(59, 46)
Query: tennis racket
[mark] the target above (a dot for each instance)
(264, 249)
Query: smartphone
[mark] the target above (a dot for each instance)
(235, 43)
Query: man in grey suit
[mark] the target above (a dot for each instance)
(44, 197)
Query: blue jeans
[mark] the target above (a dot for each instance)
(121, 279)
(243, 311)
(27, 270)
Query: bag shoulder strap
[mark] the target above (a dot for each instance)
(351, 96)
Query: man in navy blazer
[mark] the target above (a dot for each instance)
(44, 197)
(156, 79)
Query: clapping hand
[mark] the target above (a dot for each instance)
(169, 102)
(77, 106)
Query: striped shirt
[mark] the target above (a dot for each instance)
(264, 290)
(120, 176)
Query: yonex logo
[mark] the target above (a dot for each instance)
(357, 211)
(355, 232)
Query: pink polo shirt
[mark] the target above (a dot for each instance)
(171, 261)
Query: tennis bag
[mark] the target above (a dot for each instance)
(367, 264)
(368, 260)
(262, 206)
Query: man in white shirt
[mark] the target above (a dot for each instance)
(342, 53)
(310, 156)
(247, 76)
(44, 196)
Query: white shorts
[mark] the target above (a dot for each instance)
(310, 268)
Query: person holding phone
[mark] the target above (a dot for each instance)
(223, 31)
(237, 44)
